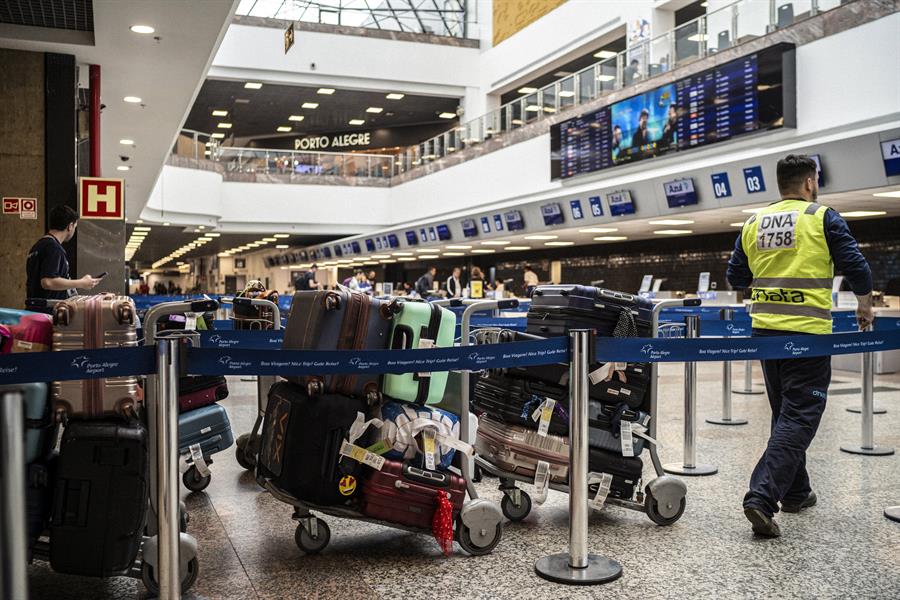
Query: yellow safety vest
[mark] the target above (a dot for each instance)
(792, 267)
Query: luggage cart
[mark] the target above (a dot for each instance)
(479, 526)
(246, 446)
(663, 499)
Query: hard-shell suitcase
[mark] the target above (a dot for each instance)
(604, 427)
(208, 426)
(338, 320)
(518, 450)
(403, 426)
(301, 443)
(197, 391)
(557, 308)
(37, 417)
(415, 322)
(404, 494)
(100, 498)
(514, 400)
(102, 321)
(11, 316)
(626, 472)
(33, 333)
(5, 340)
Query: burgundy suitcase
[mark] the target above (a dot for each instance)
(339, 320)
(197, 391)
(406, 495)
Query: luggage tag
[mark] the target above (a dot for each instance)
(425, 344)
(362, 455)
(541, 481)
(604, 481)
(380, 447)
(429, 448)
(190, 323)
(194, 457)
(625, 430)
(359, 426)
(639, 430)
(543, 414)
(456, 444)
(605, 372)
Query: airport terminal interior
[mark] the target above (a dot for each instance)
(655, 245)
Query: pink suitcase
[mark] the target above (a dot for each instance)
(516, 449)
(403, 494)
(86, 322)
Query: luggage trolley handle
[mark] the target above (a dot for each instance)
(261, 302)
(155, 313)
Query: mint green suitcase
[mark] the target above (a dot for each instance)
(417, 321)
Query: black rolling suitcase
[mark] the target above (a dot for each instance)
(626, 472)
(301, 444)
(514, 400)
(555, 309)
(100, 499)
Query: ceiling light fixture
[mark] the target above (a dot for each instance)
(533, 108)
(143, 228)
(527, 90)
(483, 251)
(252, 85)
(751, 211)
(220, 113)
(671, 222)
(447, 115)
(166, 224)
(738, 224)
(126, 142)
(356, 122)
(459, 247)
(325, 91)
(145, 29)
(673, 231)
(282, 246)
(517, 248)
(453, 254)
(374, 109)
(123, 168)
(310, 105)
(541, 237)
(559, 243)
(395, 96)
(218, 136)
(605, 77)
(401, 253)
(214, 235)
(495, 243)
(604, 54)
(427, 256)
(297, 118)
(892, 194)
(281, 235)
(610, 238)
(224, 125)
(855, 214)
(598, 230)
(284, 129)
(566, 94)
(132, 99)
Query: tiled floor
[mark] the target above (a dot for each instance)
(842, 548)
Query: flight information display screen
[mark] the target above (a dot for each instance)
(739, 97)
(411, 238)
(443, 233)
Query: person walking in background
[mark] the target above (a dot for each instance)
(787, 253)
(307, 281)
(454, 284)
(425, 283)
(47, 266)
(531, 281)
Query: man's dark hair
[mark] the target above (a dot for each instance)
(793, 170)
(616, 127)
(314, 267)
(645, 112)
(527, 267)
(634, 61)
(60, 217)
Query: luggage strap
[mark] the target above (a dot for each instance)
(434, 325)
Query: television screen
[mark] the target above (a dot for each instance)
(423, 235)
(354, 246)
(620, 203)
(411, 238)
(680, 192)
(748, 94)
(432, 234)
(443, 232)
(338, 251)
(326, 251)
(393, 242)
(552, 214)
(370, 245)
(514, 221)
(470, 229)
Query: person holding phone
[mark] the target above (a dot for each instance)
(47, 266)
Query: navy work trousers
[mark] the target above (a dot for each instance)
(797, 389)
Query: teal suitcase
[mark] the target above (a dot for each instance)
(37, 418)
(417, 321)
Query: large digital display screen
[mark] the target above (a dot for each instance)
(749, 94)
(470, 229)
(680, 192)
(411, 238)
(443, 233)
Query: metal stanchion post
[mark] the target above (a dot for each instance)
(727, 418)
(868, 446)
(876, 410)
(13, 541)
(892, 513)
(748, 380)
(689, 465)
(578, 566)
(168, 571)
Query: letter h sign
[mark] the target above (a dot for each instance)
(101, 198)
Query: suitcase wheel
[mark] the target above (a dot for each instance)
(511, 511)
(662, 515)
(148, 576)
(245, 450)
(310, 544)
(194, 481)
(464, 537)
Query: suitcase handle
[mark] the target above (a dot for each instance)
(423, 476)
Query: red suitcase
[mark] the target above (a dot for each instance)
(33, 333)
(403, 494)
(197, 391)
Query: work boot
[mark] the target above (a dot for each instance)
(763, 524)
(795, 508)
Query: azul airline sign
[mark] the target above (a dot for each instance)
(326, 142)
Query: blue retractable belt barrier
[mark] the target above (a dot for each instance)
(77, 364)
(209, 361)
(755, 348)
(243, 339)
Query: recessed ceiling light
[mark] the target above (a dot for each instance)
(738, 224)
(673, 231)
(483, 251)
(143, 228)
(166, 224)
(381, 256)
(427, 256)
(139, 221)
(145, 29)
(270, 239)
(224, 125)
(598, 230)
(242, 101)
(401, 253)
(566, 94)
(459, 247)
(604, 54)
(281, 235)
(671, 222)
(495, 243)
(605, 77)
(310, 105)
(356, 121)
(282, 246)
(453, 254)
(123, 168)
(325, 91)
(223, 254)
(218, 136)
(126, 142)
(252, 85)
(220, 113)
(610, 238)
(562, 73)
(853, 214)
(517, 248)
(447, 115)
(387, 261)
(132, 99)
(374, 109)
(751, 211)
(527, 90)
(395, 96)
(296, 118)
(541, 237)
(558, 243)
(213, 235)
(284, 129)
(893, 194)
(533, 108)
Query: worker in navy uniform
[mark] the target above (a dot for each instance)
(47, 266)
(787, 254)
